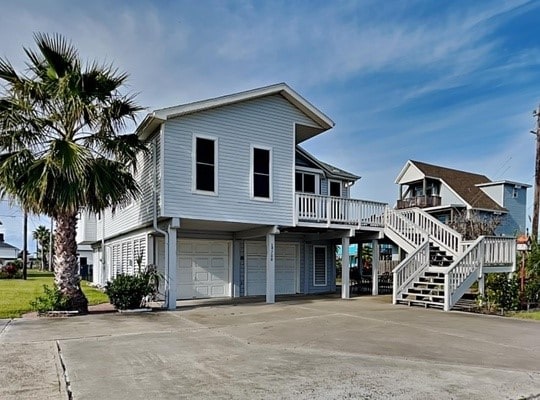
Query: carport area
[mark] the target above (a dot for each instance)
(299, 348)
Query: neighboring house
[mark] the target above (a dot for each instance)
(448, 193)
(7, 251)
(85, 254)
(231, 205)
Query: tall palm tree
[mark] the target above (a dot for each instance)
(60, 147)
(42, 236)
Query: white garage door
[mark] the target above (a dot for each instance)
(286, 268)
(203, 269)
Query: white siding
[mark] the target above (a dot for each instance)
(496, 192)
(267, 122)
(412, 174)
(448, 197)
(140, 212)
(86, 228)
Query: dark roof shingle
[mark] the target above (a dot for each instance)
(463, 183)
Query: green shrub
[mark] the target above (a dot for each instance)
(501, 293)
(131, 291)
(52, 299)
(10, 271)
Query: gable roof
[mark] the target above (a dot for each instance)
(322, 121)
(330, 170)
(4, 245)
(463, 183)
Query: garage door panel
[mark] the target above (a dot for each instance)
(286, 265)
(203, 269)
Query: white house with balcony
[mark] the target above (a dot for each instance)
(233, 206)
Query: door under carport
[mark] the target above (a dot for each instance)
(286, 269)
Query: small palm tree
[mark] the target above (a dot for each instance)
(60, 147)
(42, 235)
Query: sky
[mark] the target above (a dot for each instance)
(451, 83)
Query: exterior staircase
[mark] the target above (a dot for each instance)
(440, 266)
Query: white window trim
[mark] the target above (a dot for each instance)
(317, 181)
(300, 168)
(340, 187)
(325, 266)
(194, 165)
(252, 172)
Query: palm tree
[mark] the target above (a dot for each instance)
(60, 147)
(42, 236)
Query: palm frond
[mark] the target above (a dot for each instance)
(8, 73)
(61, 55)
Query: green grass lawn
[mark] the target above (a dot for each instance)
(527, 315)
(16, 294)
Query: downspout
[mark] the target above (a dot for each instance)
(103, 262)
(154, 219)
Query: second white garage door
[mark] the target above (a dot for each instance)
(204, 268)
(287, 265)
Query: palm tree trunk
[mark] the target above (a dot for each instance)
(42, 256)
(66, 276)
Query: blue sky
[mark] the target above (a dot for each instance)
(452, 83)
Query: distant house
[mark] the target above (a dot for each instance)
(7, 251)
(447, 193)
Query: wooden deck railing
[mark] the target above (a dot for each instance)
(317, 209)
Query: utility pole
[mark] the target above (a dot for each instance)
(25, 245)
(536, 210)
(51, 247)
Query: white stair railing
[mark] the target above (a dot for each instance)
(409, 269)
(500, 251)
(409, 235)
(439, 233)
(467, 268)
(459, 276)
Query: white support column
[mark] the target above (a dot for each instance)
(170, 268)
(482, 284)
(150, 250)
(375, 255)
(270, 269)
(345, 269)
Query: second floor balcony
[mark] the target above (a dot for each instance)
(327, 211)
(419, 201)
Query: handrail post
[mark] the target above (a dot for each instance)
(296, 208)
(394, 288)
(447, 291)
(328, 209)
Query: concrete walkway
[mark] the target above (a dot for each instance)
(301, 348)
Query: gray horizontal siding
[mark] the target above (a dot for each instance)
(267, 122)
(141, 210)
(514, 222)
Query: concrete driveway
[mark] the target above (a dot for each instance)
(302, 348)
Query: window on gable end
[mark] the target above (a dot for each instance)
(205, 165)
(261, 161)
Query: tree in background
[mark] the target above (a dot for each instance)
(60, 147)
(43, 236)
(475, 225)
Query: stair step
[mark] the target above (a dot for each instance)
(415, 289)
(436, 274)
(426, 304)
(428, 285)
(422, 279)
(466, 305)
(423, 297)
